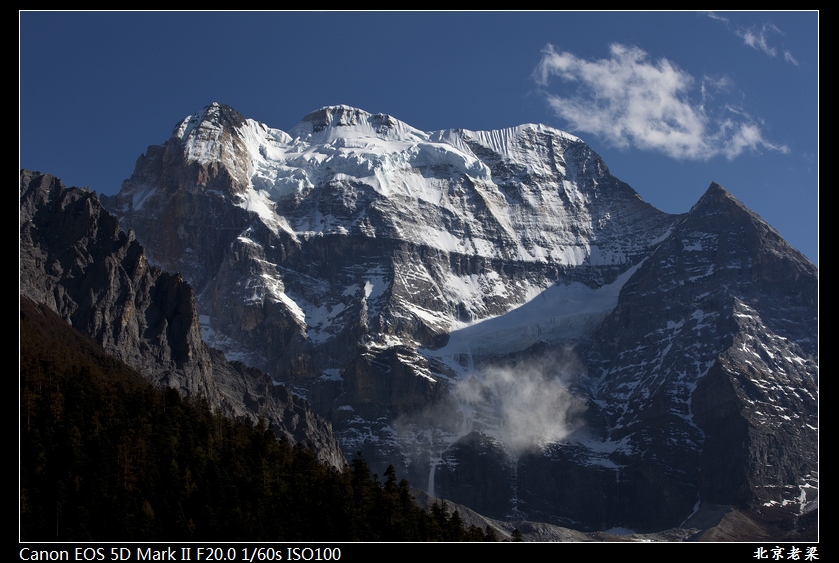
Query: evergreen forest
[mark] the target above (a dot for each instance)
(105, 456)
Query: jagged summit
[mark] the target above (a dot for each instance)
(344, 122)
(214, 116)
(717, 204)
(717, 198)
(337, 116)
(716, 195)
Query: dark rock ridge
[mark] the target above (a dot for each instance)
(497, 315)
(705, 374)
(75, 260)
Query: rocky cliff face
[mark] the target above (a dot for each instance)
(76, 260)
(703, 379)
(494, 307)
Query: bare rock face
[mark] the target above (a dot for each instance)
(707, 366)
(75, 260)
(473, 471)
(495, 307)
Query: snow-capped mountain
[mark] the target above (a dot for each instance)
(495, 314)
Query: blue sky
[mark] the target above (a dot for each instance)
(671, 100)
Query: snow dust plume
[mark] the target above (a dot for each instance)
(526, 405)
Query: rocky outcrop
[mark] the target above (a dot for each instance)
(75, 260)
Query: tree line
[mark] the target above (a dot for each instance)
(106, 456)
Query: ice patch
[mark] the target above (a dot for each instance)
(560, 311)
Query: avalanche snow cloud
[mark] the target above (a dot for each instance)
(530, 402)
(629, 100)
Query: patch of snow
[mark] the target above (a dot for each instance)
(560, 311)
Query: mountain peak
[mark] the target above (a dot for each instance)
(719, 211)
(342, 121)
(715, 196)
(714, 188)
(338, 116)
(217, 111)
(215, 116)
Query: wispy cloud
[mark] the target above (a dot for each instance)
(757, 37)
(716, 16)
(629, 100)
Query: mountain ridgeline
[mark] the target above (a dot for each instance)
(75, 260)
(490, 312)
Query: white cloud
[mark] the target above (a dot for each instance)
(789, 58)
(759, 38)
(630, 101)
(716, 16)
